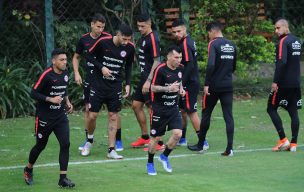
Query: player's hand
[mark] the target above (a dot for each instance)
(106, 72)
(274, 87)
(127, 88)
(146, 87)
(206, 90)
(182, 92)
(69, 107)
(174, 87)
(78, 79)
(55, 100)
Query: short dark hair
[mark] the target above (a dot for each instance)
(125, 29)
(58, 51)
(143, 17)
(214, 25)
(178, 22)
(173, 48)
(98, 17)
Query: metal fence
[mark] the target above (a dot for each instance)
(23, 32)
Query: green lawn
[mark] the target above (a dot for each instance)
(253, 168)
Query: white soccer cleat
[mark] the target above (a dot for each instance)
(113, 155)
(86, 149)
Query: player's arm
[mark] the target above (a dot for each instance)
(234, 61)
(128, 71)
(75, 61)
(210, 64)
(189, 62)
(281, 61)
(147, 84)
(68, 105)
(37, 94)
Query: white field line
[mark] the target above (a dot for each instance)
(134, 159)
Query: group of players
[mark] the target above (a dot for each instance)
(168, 88)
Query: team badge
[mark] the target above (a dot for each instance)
(180, 74)
(123, 53)
(153, 131)
(39, 135)
(143, 43)
(66, 78)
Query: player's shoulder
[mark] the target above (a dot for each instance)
(105, 34)
(131, 45)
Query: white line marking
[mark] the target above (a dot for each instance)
(134, 159)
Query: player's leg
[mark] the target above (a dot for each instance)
(174, 124)
(295, 103)
(209, 102)
(226, 103)
(113, 102)
(272, 109)
(138, 108)
(118, 140)
(86, 96)
(62, 133)
(96, 100)
(43, 129)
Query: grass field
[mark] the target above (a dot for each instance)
(253, 168)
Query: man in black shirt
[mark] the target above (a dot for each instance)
(109, 56)
(165, 90)
(285, 89)
(188, 104)
(85, 42)
(218, 85)
(149, 59)
(50, 91)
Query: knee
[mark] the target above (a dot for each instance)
(65, 145)
(40, 146)
(93, 116)
(270, 110)
(177, 134)
(113, 116)
(136, 107)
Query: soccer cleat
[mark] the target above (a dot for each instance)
(66, 183)
(197, 148)
(292, 147)
(82, 145)
(206, 145)
(86, 149)
(118, 145)
(182, 142)
(113, 155)
(140, 142)
(150, 169)
(282, 144)
(28, 177)
(165, 161)
(227, 154)
(158, 148)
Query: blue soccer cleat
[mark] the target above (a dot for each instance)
(118, 145)
(165, 161)
(150, 169)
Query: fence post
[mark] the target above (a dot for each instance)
(49, 30)
(185, 6)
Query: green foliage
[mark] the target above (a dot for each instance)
(15, 89)
(242, 27)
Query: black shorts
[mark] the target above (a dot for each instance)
(189, 101)
(160, 120)
(285, 98)
(139, 96)
(86, 92)
(112, 99)
(44, 128)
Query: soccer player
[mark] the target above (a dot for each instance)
(149, 59)
(113, 54)
(165, 90)
(85, 42)
(218, 85)
(52, 106)
(188, 104)
(285, 89)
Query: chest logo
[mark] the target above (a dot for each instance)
(66, 78)
(180, 74)
(123, 53)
